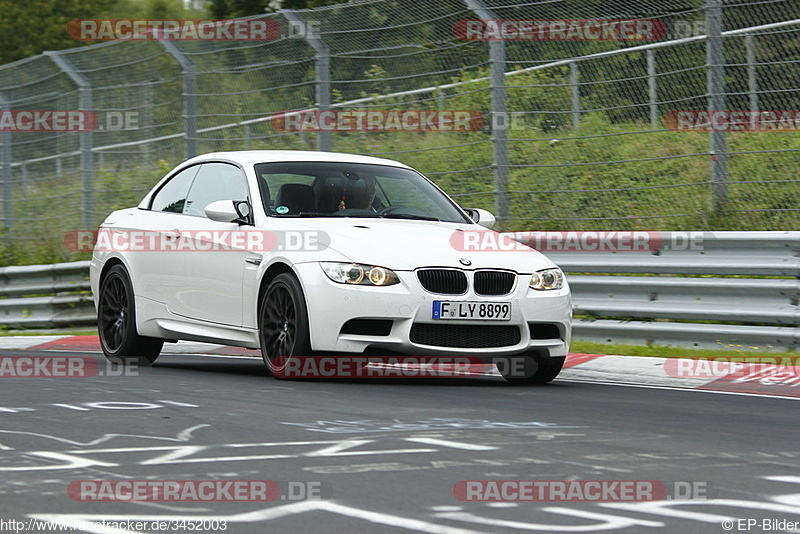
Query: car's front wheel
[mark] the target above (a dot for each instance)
(531, 368)
(116, 322)
(283, 324)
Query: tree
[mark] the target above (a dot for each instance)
(228, 9)
(34, 26)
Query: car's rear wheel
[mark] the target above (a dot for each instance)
(116, 322)
(283, 324)
(530, 368)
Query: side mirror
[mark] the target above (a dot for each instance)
(482, 217)
(242, 208)
(228, 211)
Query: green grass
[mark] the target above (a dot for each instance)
(589, 347)
(50, 332)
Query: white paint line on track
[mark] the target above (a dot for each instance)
(453, 444)
(26, 342)
(415, 525)
(604, 521)
(676, 388)
(161, 506)
(631, 370)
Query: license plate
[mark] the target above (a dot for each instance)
(482, 311)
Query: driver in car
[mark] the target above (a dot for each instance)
(357, 192)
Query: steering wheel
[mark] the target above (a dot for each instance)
(389, 209)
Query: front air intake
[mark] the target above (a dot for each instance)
(464, 336)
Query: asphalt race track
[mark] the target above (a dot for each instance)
(385, 455)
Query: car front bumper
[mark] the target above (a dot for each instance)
(331, 305)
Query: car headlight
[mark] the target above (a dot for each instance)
(359, 274)
(547, 279)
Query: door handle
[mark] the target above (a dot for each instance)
(172, 234)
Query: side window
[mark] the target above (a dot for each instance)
(215, 181)
(172, 195)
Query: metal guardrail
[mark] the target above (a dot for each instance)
(46, 296)
(726, 290)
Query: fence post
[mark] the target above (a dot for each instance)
(652, 87)
(149, 123)
(752, 82)
(86, 142)
(189, 95)
(501, 122)
(5, 159)
(715, 57)
(575, 89)
(322, 69)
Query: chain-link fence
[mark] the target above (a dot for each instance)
(592, 112)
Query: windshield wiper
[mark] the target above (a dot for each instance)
(397, 215)
(312, 214)
(297, 215)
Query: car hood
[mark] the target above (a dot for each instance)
(405, 245)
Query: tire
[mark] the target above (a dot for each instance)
(531, 368)
(283, 329)
(116, 322)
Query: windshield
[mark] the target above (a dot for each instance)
(319, 189)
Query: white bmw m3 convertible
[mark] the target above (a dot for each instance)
(307, 253)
